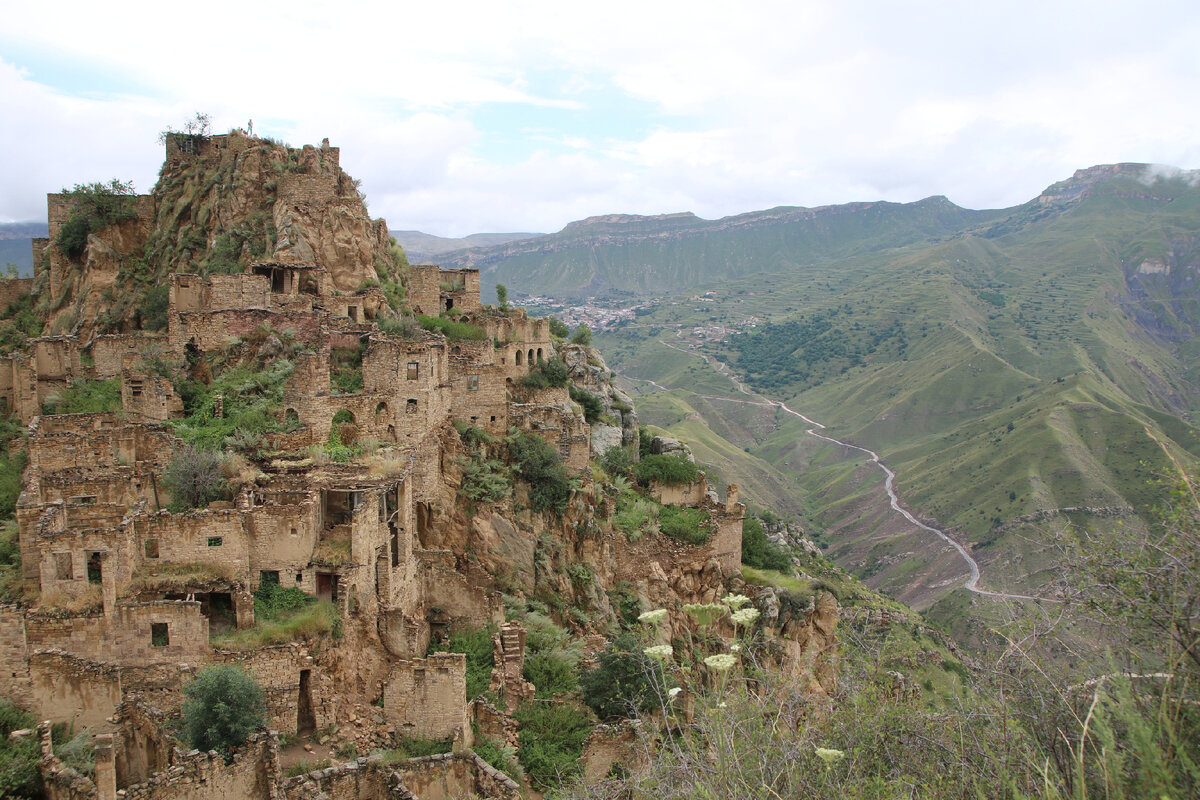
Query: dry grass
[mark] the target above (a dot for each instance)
(177, 577)
(60, 602)
(387, 464)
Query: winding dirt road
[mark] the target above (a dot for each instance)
(972, 582)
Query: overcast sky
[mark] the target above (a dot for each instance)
(522, 116)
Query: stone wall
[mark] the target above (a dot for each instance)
(212, 330)
(150, 397)
(14, 657)
(254, 774)
(450, 776)
(278, 670)
(426, 697)
(127, 636)
(78, 691)
(426, 294)
(13, 288)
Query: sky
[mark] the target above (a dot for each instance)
(466, 117)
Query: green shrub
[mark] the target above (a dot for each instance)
(20, 324)
(582, 335)
(624, 681)
(548, 373)
(78, 752)
(484, 479)
(94, 206)
(665, 469)
(551, 741)
(689, 525)
(635, 516)
(153, 309)
(539, 465)
(616, 461)
(552, 672)
(19, 776)
(593, 406)
(558, 328)
(86, 397)
(195, 478)
(223, 706)
(454, 330)
(760, 552)
(481, 658)
(500, 757)
(404, 327)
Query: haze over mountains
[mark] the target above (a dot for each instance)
(1025, 371)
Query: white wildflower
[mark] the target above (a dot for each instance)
(660, 651)
(829, 755)
(653, 617)
(735, 647)
(745, 616)
(674, 691)
(722, 662)
(735, 601)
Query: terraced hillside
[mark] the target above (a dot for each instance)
(1029, 374)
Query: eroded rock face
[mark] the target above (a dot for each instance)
(590, 372)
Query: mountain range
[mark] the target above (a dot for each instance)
(1028, 372)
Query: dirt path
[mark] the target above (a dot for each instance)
(972, 582)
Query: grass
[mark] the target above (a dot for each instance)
(281, 616)
(477, 645)
(86, 397)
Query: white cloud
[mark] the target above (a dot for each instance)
(732, 108)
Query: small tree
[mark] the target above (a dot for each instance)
(223, 706)
(582, 335)
(558, 328)
(502, 296)
(195, 478)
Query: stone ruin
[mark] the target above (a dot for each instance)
(126, 597)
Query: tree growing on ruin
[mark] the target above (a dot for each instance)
(502, 296)
(195, 478)
(223, 706)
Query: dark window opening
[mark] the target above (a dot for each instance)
(352, 313)
(95, 571)
(151, 548)
(268, 577)
(215, 541)
(306, 720)
(518, 359)
(411, 406)
(160, 636)
(449, 303)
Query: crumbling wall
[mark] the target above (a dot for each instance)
(79, 691)
(127, 636)
(278, 670)
(426, 697)
(14, 657)
(449, 776)
(444, 587)
(150, 397)
(254, 773)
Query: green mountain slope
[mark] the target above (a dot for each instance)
(627, 253)
(1035, 371)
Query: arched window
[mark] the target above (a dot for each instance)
(381, 410)
(518, 358)
(539, 354)
(531, 356)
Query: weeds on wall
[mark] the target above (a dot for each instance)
(94, 206)
(454, 330)
(476, 644)
(86, 397)
(19, 324)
